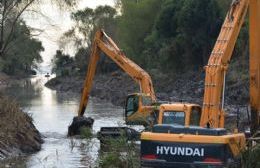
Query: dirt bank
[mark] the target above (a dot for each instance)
(188, 87)
(185, 87)
(18, 134)
(114, 87)
(109, 87)
(7, 80)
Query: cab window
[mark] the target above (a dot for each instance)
(195, 116)
(174, 117)
(131, 105)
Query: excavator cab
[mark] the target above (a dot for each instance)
(132, 105)
(180, 114)
(137, 108)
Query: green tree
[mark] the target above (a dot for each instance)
(183, 34)
(24, 53)
(63, 64)
(19, 52)
(224, 5)
(82, 58)
(86, 22)
(135, 23)
(10, 11)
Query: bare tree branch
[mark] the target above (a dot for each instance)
(13, 26)
(2, 24)
(11, 6)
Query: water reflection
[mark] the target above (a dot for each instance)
(23, 90)
(52, 113)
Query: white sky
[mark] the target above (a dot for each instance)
(55, 22)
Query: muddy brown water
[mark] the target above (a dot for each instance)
(52, 113)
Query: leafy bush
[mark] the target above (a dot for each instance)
(119, 152)
(251, 157)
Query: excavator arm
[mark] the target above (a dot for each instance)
(105, 44)
(161, 146)
(254, 20)
(213, 104)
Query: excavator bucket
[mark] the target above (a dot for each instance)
(78, 123)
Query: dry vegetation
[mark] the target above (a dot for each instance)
(18, 135)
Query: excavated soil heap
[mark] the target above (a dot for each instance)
(18, 134)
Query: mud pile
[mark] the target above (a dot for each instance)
(184, 87)
(18, 134)
(112, 87)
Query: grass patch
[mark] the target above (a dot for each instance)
(86, 132)
(251, 157)
(118, 153)
(17, 129)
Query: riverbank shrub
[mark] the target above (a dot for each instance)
(251, 157)
(86, 132)
(118, 152)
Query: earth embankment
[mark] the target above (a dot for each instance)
(18, 134)
(187, 87)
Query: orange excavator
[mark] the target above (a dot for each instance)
(140, 108)
(136, 103)
(172, 145)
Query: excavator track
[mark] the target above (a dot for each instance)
(117, 132)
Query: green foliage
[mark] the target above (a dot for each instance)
(19, 52)
(224, 5)
(119, 153)
(86, 132)
(241, 52)
(168, 35)
(250, 157)
(82, 58)
(62, 64)
(135, 24)
(183, 34)
(87, 21)
(24, 52)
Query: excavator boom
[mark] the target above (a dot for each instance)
(167, 145)
(254, 20)
(213, 104)
(105, 44)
